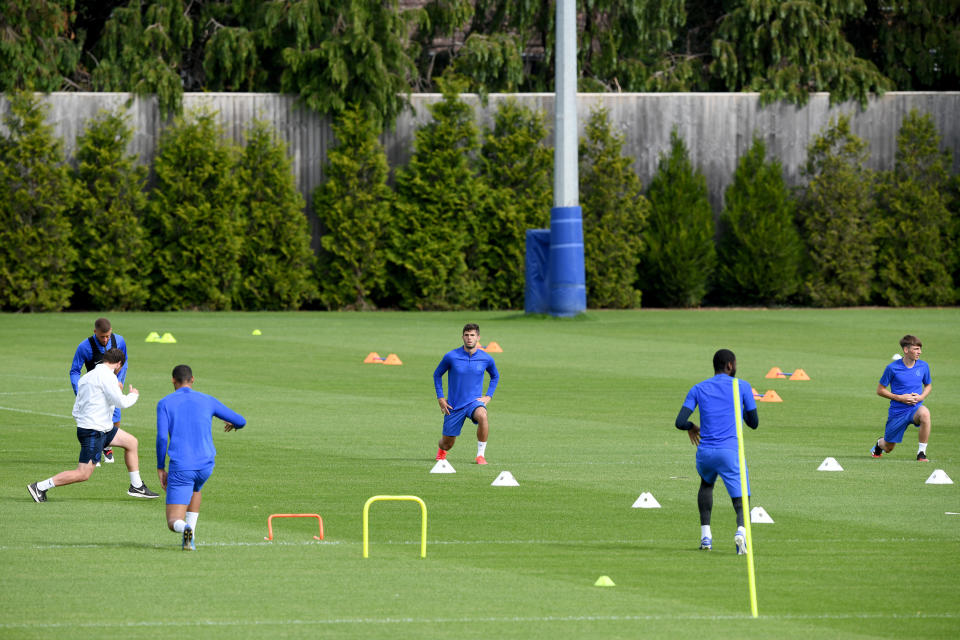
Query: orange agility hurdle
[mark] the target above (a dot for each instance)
(293, 515)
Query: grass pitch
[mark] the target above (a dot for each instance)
(583, 418)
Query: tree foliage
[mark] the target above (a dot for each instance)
(517, 166)
(760, 248)
(915, 244)
(108, 231)
(194, 218)
(614, 216)
(276, 262)
(837, 218)
(36, 192)
(39, 50)
(679, 256)
(354, 205)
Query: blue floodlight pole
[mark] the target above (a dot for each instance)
(568, 292)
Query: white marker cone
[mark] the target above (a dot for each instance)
(939, 476)
(829, 464)
(505, 479)
(759, 515)
(443, 466)
(646, 501)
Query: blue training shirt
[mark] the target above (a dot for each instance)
(903, 379)
(84, 353)
(718, 426)
(184, 421)
(465, 377)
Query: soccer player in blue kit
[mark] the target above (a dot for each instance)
(183, 433)
(909, 382)
(465, 367)
(716, 440)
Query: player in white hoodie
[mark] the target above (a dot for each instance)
(99, 392)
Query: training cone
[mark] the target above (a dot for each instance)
(257, 332)
(167, 338)
(759, 515)
(373, 358)
(646, 501)
(153, 336)
(604, 581)
(799, 374)
(939, 476)
(392, 359)
(776, 372)
(770, 396)
(493, 347)
(505, 479)
(756, 394)
(829, 464)
(443, 466)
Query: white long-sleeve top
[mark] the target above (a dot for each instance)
(98, 394)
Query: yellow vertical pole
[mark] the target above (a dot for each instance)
(751, 575)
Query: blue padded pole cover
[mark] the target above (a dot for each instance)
(568, 291)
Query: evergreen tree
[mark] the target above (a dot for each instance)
(38, 49)
(837, 213)
(276, 262)
(437, 226)
(518, 167)
(614, 216)
(141, 51)
(785, 50)
(36, 191)
(760, 248)
(194, 217)
(108, 231)
(915, 246)
(354, 207)
(679, 256)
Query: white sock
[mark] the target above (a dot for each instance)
(481, 447)
(705, 531)
(742, 531)
(179, 525)
(923, 447)
(45, 485)
(135, 479)
(192, 519)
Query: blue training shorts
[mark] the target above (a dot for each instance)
(897, 424)
(726, 464)
(92, 442)
(182, 484)
(453, 423)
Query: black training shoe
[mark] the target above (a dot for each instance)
(922, 457)
(877, 450)
(108, 456)
(141, 492)
(36, 494)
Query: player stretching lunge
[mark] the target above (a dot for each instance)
(716, 440)
(466, 366)
(909, 382)
(183, 421)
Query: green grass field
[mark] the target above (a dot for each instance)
(583, 419)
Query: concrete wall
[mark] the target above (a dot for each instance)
(717, 127)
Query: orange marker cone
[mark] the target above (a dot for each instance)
(392, 359)
(799, 374)
(771, 396)
(373, 358)
(756, 394)
(493, 347)
(776, 372)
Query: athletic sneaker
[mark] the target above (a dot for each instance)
(36, 494)
(141, 492)
(877, 451)
(188, 544)
(741, 544)
(108, 456)
(441, 454)
(482, 460)
(706, 544)
(922, 457)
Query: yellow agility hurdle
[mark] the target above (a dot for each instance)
(366, 522)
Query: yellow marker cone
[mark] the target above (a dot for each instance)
(153, 336)
(167, 338)
(604, 581)
(257, 332)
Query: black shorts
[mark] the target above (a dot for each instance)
(92, 442)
